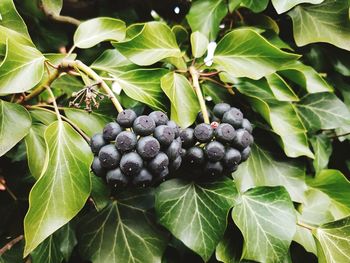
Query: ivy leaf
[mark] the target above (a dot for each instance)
(21, 63)
(67, 240)
(15, 123)
(153, 43)
(204, 205)
(256, 6)
(48, 251)
(334, 184)
(96, 30)
(280, 89)
(323, 111)
(305, 238)
(262, 168)
(100, 192)
(180, 33)
(123, 231)
(282, 6)
(144, 85)
(113, 62)
(282, 116)
(334, 241)
(267, 220)
(305, 76)
(63, 189)
(185, 106)
(199, 44)
(327, 22)
(243, 49)
(90, 123)
(42, 116)
(205, 17)
(52, 6)
(323, 149)
(36, 150)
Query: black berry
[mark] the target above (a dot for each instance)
(194, 155)
(214, 168)
(175, 164)
(126, 118)
(131, 164)
(187, 137)
(220, 109)
(126, 141)
(232, 158)
(245, 153)
(160, 118)
(247, 126)
(225, 133)
(174, 150)
(148, 147)
(144, 125)
(243, 139)
(200, 118)
(164, 134)
(234, 117)
(97, 142)
(175, 128)
(109, 156)
(159, 163)
(97, 167)
(144, 178)
(116, 178)
(111, 130)
(215, 151)
(203, 132)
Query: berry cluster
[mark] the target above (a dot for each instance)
(218, 148)
(137, 150)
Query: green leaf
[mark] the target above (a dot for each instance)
(153, 43)
(255, 5)
(267, 220)
(199, 44)
(262, 168)
(185, 106)
(323, 111)
(21, 63)
(113, 62)
(205, 16)
(90, 123)
(96, 30)
(280, 89)
(123, 231)
(48, 251)
(233, 5)
(304, 237)
(229, 249)
(43, 116)
(52, 7)
(322, 146)
(63, 189)
(282, 116)
(67, 240)
(243, 49)
(36, 150)
(327, 22)
(305, 76)
(180, 33)
(203, 206)
(144, 85)
(100, 192)
(15, 123)
(334, 184)
(334, 241)
(216, 92)
(282, 6)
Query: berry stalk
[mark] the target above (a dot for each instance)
(197, 88)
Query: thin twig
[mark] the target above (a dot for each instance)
(10, 244)
(209, 74)
(62, 19)
(197, 88)
(340, 135)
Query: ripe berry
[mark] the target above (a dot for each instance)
(144, 178)
(247, 125)
(215, 151)
(220, 109)
(162, 176)
(126, 141)
(232, 158)
(175, 128)
(200, 118)
(203, 132)
(164, 134)
(225, 133)
(175, 164)
(194, 156)
(144, 125)
(97, 167)
(174, 150)
(213, 168)
(116, 178)
(148, 147)
(234, 117)
(111, 130)
(245, 153)
(97, 142)
(126, 118)
(160, 118)
(131, 164)
(243, 139)
(187, 137)
(158, 163)
(109, 156)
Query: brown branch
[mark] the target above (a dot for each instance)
(10, 244)
(59, 18)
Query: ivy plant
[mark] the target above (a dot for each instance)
(285, 64)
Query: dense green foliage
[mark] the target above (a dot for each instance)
(284, 63)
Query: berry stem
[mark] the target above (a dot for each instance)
(92, 74)
(195, 81)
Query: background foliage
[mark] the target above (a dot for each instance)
(284, 63)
